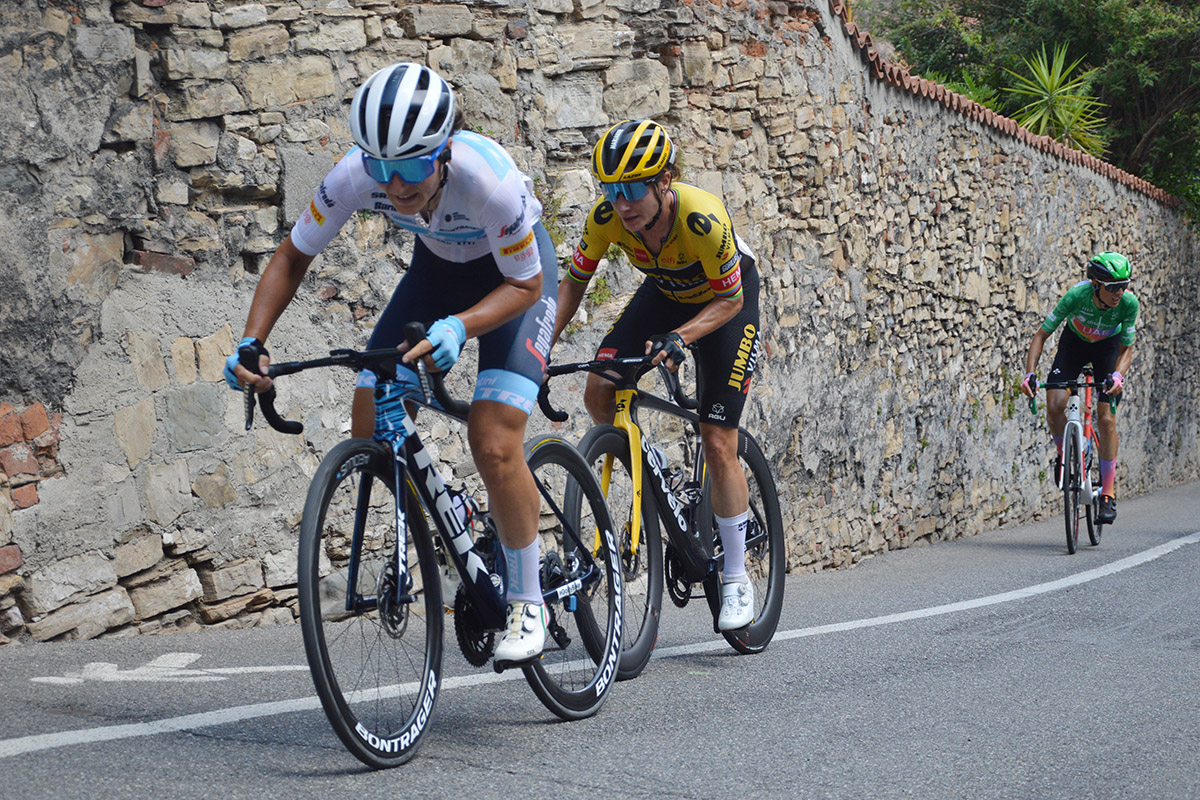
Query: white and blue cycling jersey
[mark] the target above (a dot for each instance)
(485, 229)
(487, 207)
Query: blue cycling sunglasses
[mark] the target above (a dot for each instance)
(410, 170)
(631, 191)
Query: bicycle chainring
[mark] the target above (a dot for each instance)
(476, 643)
(679, 587)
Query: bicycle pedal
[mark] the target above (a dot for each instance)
(501, 666)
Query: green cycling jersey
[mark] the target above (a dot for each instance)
(1091, 323)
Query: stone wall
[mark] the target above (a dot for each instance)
(909, 244)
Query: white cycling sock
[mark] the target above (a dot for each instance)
(733, 541)
(524, 583)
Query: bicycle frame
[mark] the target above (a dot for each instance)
(1080, 428)
(413, 466)
(677, 522)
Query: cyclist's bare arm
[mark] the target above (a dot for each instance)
(715, 313)
(570, 295)
(1124, 360)
(275, 291)
(1032, 358)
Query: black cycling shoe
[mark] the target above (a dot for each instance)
(1108, 509)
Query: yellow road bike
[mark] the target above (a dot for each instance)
(651, 468)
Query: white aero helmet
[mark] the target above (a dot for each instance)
(402, 111)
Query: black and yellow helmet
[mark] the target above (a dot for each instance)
(633, 150)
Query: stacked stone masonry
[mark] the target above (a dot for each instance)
(160, 150)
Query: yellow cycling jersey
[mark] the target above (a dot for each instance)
(699, 260)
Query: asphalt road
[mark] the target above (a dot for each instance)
(990, 667)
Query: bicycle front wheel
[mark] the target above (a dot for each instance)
(766, 557)
(642, 566)
(581, 583)
(372, 633)
(1072, 480)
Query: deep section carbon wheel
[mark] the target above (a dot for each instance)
(372, 626)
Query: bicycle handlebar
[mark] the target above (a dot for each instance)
(1113, 400)
(381, 360)
(630, 369)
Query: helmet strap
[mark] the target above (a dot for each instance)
(659, 195)
(444, 163)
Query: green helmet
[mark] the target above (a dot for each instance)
(1108, 267)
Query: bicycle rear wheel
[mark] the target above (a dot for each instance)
(642, 568)
(581, 583)
(1094, 526)
(375, 653)
(1071, 480)
(766, 557)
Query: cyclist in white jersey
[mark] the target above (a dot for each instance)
(483, 266)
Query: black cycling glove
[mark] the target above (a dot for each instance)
(671, 342)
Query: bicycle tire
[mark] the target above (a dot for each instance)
(1094, 525)
(766, 556)
(357, 657)
(1070, 487)
(642, 571)
(579, 665)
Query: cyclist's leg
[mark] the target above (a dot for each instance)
(728, 356)
(512, 363)
(1072, 354)
(1105, 354)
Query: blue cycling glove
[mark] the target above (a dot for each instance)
(447, 336)
(247, 353)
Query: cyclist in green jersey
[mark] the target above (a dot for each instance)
(1100, 316)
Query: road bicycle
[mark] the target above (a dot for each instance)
(1079, 478)
(370, 574)
(651, 469)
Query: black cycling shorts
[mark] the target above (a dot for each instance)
(513, 357)
(1073, 353)
(725, 357)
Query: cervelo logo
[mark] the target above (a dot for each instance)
(672, 501)
(404, 740)
(614, 652)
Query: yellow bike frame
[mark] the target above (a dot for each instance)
(624, 421)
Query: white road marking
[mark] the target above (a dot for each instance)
(168, 667)
(47, 741)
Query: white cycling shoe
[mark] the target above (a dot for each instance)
(524, 635)
(737, 605)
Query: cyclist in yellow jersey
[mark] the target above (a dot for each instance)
(702, 288)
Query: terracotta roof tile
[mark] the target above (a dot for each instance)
(897, 76)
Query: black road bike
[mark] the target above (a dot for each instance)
(371, 574)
